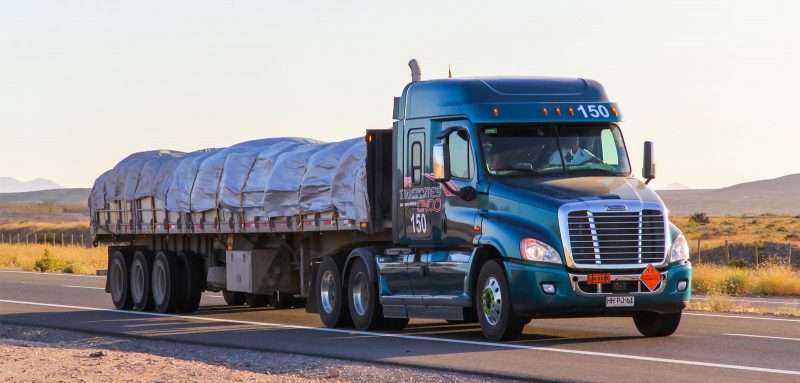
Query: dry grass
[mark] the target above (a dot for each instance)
(770, 279)
(75, 259)
(763, 228)
(42, 226)
(723, 303)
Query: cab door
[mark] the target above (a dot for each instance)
(448, 268)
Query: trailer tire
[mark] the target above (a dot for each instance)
(140, 277)
(233, 298)
(119, 279)
(331, 298)
(169, 282)
(257, 300)
(195, 281)
(651, 324)
(493, 304)
(281, 300)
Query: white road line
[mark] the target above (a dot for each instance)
(427, 339)
(86, 287)
(52, 274)
(740, 317)
(764, 336)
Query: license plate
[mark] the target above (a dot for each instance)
(626, 301)
(598, 279)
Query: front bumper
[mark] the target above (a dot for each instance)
(529, 299)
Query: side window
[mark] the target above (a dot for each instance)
(462, 164)
(416, 162)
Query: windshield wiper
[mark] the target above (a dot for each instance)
(603, 172)
(529, 171)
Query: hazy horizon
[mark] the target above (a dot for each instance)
(87, 83)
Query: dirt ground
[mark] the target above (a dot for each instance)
(31, 354)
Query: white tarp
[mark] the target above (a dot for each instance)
(270, 177)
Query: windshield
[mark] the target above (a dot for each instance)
(553, 150)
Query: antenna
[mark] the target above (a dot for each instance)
(449, 72)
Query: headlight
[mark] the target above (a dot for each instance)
(680, 249)
(533, 250)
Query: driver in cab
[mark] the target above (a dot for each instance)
(572, 152)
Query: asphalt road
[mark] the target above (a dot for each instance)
(707, 347)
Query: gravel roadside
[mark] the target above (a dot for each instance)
(33, 354)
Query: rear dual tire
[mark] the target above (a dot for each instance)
(119, 285)
(366, 311)
(165, 282)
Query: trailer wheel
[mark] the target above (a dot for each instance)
(195, 281)
(493, 302)
(119, 279)
(169, 285)
(141, 270)
(257, 300)
(652, 324)
(281, 299)
(333, 309)
(234, 298)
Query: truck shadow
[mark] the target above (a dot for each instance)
(245, 328)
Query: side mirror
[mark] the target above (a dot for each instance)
(649, 170)
(441, 163)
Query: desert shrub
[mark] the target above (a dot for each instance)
(781, 229)
(68, 269)
(735, 281)
(729, 223)
(700, 218)
(770, 225)
(47, 262)
(792, 236)
(738, 263)
(776, 279)
(754, 222)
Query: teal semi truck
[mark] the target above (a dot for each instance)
(490, 200)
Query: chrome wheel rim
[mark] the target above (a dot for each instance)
(327, 291)
(137, 282)
(159, 283)
(117, 281)
(360, 294)
(492, 301)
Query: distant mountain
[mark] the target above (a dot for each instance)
(675, 186)
(775, 196)
(77, 196)
(13, 185)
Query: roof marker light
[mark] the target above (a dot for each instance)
(614, 111)
(571, 112)
(558, 111)
(496, 112)
(544, 111)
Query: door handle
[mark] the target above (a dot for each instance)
(443, 223)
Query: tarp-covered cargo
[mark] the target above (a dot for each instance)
(273, 177)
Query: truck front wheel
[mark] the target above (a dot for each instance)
(493, 302)
(333, 308)
(651, 324)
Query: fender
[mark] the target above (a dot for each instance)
(367, 254)
(504, 231)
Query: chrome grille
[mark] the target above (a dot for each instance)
(616, 238)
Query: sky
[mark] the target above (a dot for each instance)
(85, 83)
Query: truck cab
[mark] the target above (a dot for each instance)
(514, 198)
